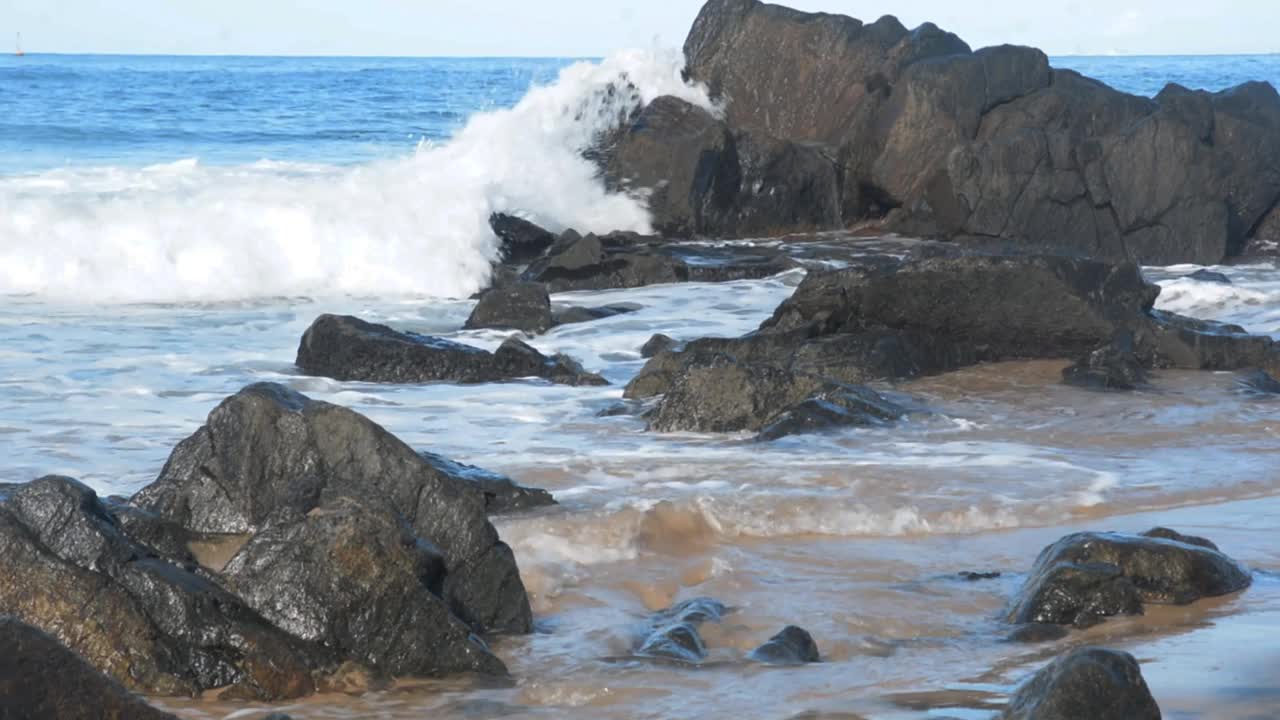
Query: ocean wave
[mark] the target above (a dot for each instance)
(414, 226)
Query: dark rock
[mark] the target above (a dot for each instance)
(348, 348)
(695, 610)
(169, 539)
(1085, 683)
(502, 495)
(1165, 533)
(277, 716)
(571, 315)
(519, 306)
(268, 450)
(792, 646)
(657, 344)
(1087, 576)
(1259, 382)
(1037, 633)
(41, 679)
(522, 241)
(834, 407)
(972, 576)
(1111, 367)
(622, 409)
(1209, 276)
(355, 579)
(680, 642)
(69, 569)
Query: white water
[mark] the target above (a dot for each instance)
(418, 225)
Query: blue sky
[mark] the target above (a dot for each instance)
(593, 27)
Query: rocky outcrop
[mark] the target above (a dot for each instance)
(1085, 683)
(935, 139)
(1086, 577)
(791, 646)
(348, 348)
(936, 314)
(41, 679)
(67, 567)
(518, 306)
(656, 344)
(522, 241)
(1112, 367)
(269, 452)
(353, 577)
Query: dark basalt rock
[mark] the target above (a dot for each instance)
(268, 450)
(1085, 683)
(1112, 367)
(355, 579)
(1209, 276)
(673, 633)
(657, 344)
(67, 567)
(519, 306)
(1259, 382)
(1164, 533)
(348, 348)
(502, 495)
(522, 241)
(572, 315)
(830, 122)
(973, 576)
(41, 679)
(835, 407)
(791, 646)
(169, 539)
(1037, 633)
(1085, 577)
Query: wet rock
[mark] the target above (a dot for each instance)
(355, 579)
(67, 567)
(169, 539)
(1085, 683)
(571, 315)
(791, 646)
(1165, 533)
(1111, 367)
(1037, 633)
(695, 610)
(1259, 382)
(972, 576)
(41, 679)
(502, 495)
(657, 344)
(1181, 342)
(268, 450)
(1085, 577)
(522, 241)
(519, 306)
(703, 178)
(622, 409)
(348, 348)
(1210, 276)
(680, 642)
(836, 406)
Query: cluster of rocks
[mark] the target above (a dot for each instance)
(826, 122)
(352, 557)
(673, 635)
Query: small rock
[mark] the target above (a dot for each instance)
(572, 315)
(520, 306)
(1037, 633)
(1259, 382)
(657, 344)
(1165, 533)
(791, 646)
(975, 576)
(1086, 683)
(675, 642)
(1209, 276)
(1110, 367)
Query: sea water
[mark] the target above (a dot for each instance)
(170, 226)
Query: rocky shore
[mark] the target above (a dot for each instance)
(291, 547)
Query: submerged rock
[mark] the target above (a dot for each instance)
(791, 646)
(1086, 683)
(1086, 577)
(572, 315)
(673, 633)
(1037, 633)
(348, 348)
(1111, 367)
(41, 679)
(1259, 382)
(657, 344)
(353, 577)
(519, 306)
(268, 451)
(1210, 276)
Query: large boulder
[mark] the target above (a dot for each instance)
(1085, 577)
(522, 241)
(348, 348)
(1085, 683)
(353, 577)
(518, 306)
(268, 450)
(41, 679)
(67, 567)
(702, 178)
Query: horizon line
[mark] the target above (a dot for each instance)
(357, 56)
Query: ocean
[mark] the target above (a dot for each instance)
(169, 226)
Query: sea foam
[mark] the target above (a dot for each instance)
(413, 226)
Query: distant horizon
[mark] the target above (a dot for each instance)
(550, 57)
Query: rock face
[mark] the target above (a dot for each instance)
(520, 306)
(1113, 367)
(522, 241)
(1085, 683)
(348, 348)
(791, 646)
(41, 679)
(936, 314)
(67, 567)
(935, 139)
(1086, 577)
(269, 452)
